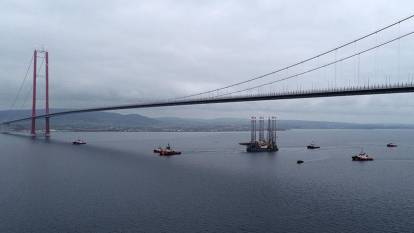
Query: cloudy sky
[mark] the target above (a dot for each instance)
(118, 52)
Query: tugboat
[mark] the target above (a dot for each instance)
(299, 161)
(362, 156)
(391, 145)
(167, 151)
(313, 146)
(78, 142)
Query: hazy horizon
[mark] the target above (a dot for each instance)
(247, 119)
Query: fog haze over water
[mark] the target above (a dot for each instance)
(116, 184)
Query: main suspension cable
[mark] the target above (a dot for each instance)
(21, 84)
(303, 61)
(322, 66)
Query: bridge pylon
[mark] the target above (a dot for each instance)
(42, 54)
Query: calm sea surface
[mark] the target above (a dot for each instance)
(116, 184)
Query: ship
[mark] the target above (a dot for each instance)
(391, 145)
(167, 151)
(362, 156)
(312, 146)
(262, 144)
(78, 142)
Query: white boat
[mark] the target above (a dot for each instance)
(362, 157)
(78, 142)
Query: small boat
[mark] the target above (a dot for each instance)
(167, 151)
(362, 156)
(78, 142)
(299, 161)
(391, 145)
(313, 146)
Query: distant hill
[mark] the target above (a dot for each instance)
(87, 121)
(110, 121)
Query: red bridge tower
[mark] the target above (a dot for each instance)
(41, 54)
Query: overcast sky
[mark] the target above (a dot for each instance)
(119, 52)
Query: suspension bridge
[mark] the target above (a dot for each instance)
(242, 91)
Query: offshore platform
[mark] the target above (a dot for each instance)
(262, 145)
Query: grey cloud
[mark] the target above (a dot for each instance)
(110, 52)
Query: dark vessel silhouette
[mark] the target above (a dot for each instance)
(312, 146)
(391, 144)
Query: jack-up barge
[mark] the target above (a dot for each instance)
(262, 144)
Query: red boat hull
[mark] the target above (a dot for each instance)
(169, 153)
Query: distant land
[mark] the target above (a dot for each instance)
(110, 121)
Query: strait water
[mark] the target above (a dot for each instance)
(116, 184)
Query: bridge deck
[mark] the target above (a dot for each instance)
(349, 91)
